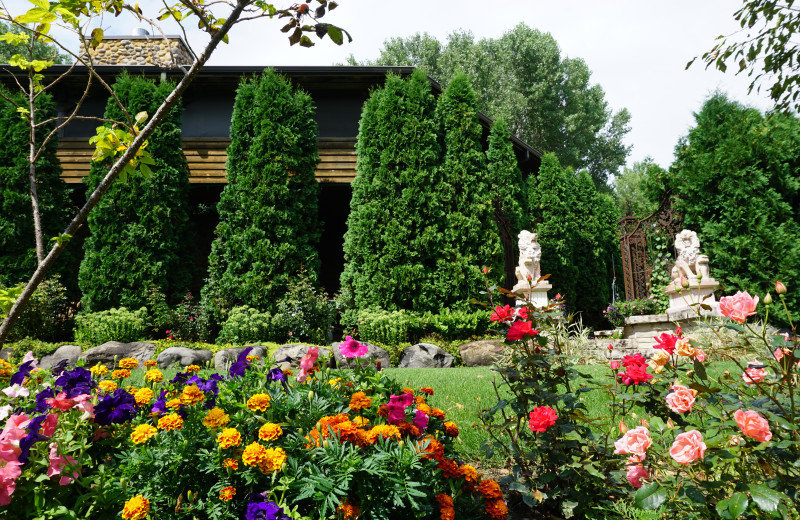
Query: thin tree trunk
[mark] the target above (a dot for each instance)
(37, 214)
(113, 173)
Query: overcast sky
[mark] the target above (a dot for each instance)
(637, 50)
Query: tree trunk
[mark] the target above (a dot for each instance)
(37, 214)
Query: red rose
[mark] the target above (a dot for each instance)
(666, 341)
(635, 374)
(505, 313)
(521, 329)
(542, 418)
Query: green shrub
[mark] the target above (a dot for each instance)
(48, 315)
(120, 324)
(457, 325)
(245, 325)
(23, 346)
(617, 312)
(397, 327)
(303, 314)
(388, 328)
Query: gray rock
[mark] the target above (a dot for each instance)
(226, 357)
(425, 355)
(111, 351)
(483, 353)
(69, 352)
(6, 353)
(288, 356)
(184, 357)
(375, 353)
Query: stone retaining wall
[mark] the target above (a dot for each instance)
(142, 50)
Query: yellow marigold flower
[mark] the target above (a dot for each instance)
(361, 422)
(6, 369)
(193, 369)
(154, 375)
(128, 362)
(107, 386)
(99, 370)
(136, 508)
(143, 396)
(349, 509)
(170, 422)
(274, 459)
(192, 395)
(259, 402)
(422, 407)
(230, 463)
(359, 401)
(173, 403)
(254, 454)
(439, 414)
(216, 418)
(150, 363)
(252, 359)
(384, 430)
(270, 432)
(142, 433)
(334, 382)
(451, 429)
(229, 437)
(227, 493)
(122, 373)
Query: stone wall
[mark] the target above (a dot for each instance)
(142, 50)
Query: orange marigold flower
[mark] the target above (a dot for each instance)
(269, 432)
(449, 468)
(451, 429)
(422, 407)
(107, 386)
(407, 390)
(406, 428)
(331, 420)
(446, 507)
(383, 411)
(288, 373)
(227, 493)
(192, 395)
(259, 402)
(420, 399)
(230, 463)
(349, 509)
(170, 422)
(496, 509)
(434, 449)
(252, 359)
(229, 437)
(426, 390)
(386, 431)
(122, 373)
(6, 368)
(143, 433)
(154, 375)
(469, 473)
(143, 396)
(274, 459)
(99, 370)
(150, 363)
(313, 439)
(359, 401)
(193, 369)
(489, 489)
(216, 418)
(361, 421)
(136, 508)
(254, 454)
(173, 403)
(128, 362)
(439, 414)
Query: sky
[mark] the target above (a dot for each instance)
(637, 50)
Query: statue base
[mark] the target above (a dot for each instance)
(536, 294)
(683, 301)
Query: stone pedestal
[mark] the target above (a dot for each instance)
(681, 299)
(536, 294)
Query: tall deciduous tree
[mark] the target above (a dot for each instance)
(35, 49)
(269, 225)
(736, 182)
(546, 99)
(140, 232)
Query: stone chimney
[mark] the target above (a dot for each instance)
(141, 48)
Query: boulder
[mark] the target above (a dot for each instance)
(6, 353)
(226, 357)
(288, 356)
(69, 352)
(425, 355)
(481, 353)
(375, 353)
(111, 351)
(184, 357)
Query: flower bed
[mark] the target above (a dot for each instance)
(257, 443)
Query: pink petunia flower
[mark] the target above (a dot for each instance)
(15, 391)
(58, 463)
(351, 348)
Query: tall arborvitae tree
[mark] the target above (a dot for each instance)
(510, 196)
(470, 235)
(17, 239)
(139, 232)
(269, 224)
(396, 222)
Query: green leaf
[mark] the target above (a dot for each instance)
(97, 37)
(765, 498)
(335, 34)
(700, 370)
(141, 117)
(737, 504)
(650, 496)
(146, 171)
(305, 41)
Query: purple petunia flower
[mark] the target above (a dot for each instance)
(276, 374)
(241, 365)
(265, 511)
(41, 400)
(24, 370)
(76, 382)
(27, 442)
(115, 408)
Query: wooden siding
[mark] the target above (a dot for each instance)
(206, 158)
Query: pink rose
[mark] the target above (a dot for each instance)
(634, 442)
(614, 365)
(635, 475)
(681, 399)
(738, 307)
(699, 355)
(754, 374)
(688, 447)
(753, 425)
